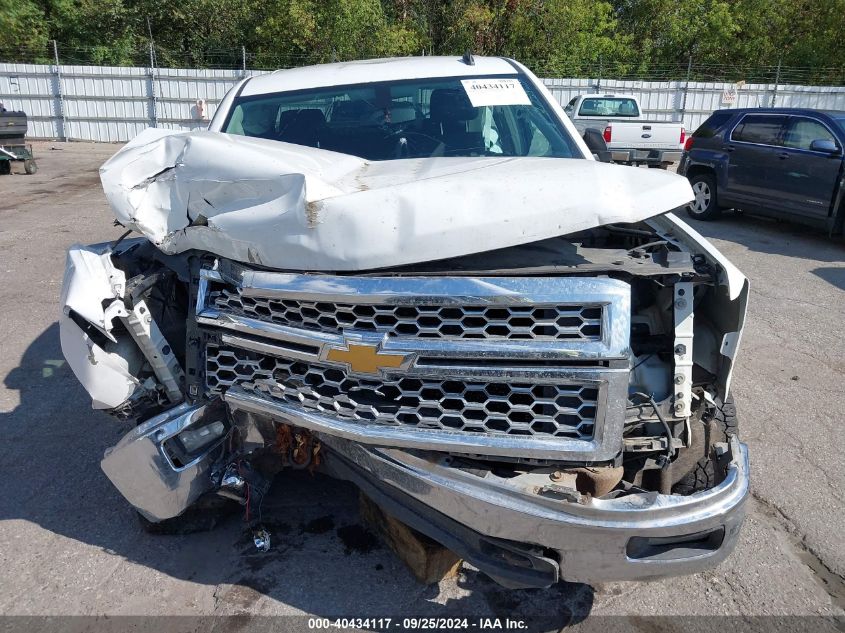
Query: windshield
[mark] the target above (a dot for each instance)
(483, 116)
(609, 106)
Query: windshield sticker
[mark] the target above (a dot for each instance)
(493, 92)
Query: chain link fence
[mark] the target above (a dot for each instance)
(240, 58)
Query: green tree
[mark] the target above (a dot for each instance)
(813, 35)
(199, 32)
(472, 25)
(288, 34)
(304, 31)
(92, 31)
(764, 28)
(564, 36)
(23, 30)
(666, 32)
(351, 28)
(727, 39)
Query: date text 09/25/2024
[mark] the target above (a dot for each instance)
(413, 624)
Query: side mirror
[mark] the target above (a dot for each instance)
(824, 145)
(595, 143)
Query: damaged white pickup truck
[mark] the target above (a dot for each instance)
(412, 274)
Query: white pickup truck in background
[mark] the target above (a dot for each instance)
(630, 139)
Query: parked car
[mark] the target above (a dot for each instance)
(631, 139)
(411, 274)
(783, 162)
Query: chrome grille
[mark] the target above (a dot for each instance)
(515, 367)
(510, 322)
(467, 406)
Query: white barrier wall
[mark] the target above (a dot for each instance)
(112, 104)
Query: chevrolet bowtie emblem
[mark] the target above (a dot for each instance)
(366, 359)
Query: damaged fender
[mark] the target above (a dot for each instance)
(90, 302)
(109, 365)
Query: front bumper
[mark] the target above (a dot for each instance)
(636, 537)
(504, 526)
(645, 156)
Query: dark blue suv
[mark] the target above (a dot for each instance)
(779, 162)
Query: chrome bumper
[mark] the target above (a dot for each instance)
(141, 469)
(502, 525)
(640, 536)
(655, 156)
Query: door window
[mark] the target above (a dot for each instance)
(801, 132)
(760, 129)
(711, 126)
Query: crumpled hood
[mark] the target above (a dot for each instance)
(291, 207)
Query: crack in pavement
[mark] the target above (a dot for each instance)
(831, 582)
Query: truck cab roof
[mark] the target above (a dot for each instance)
(376, 70)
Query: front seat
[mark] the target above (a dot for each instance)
(307, 127)
(450, 110)
(626, 108)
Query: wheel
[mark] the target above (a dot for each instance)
(702, 476)
(29, 166)
(704, 206)
(5, 167)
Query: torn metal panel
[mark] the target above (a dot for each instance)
(93, 288)
(286, 206)
(109, 366)
(678, 230)
(90, 295)
(107, 376)
(728, 307)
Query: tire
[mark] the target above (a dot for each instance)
(703, 475)
(30, 166)
(5, 167)
(704, 207)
